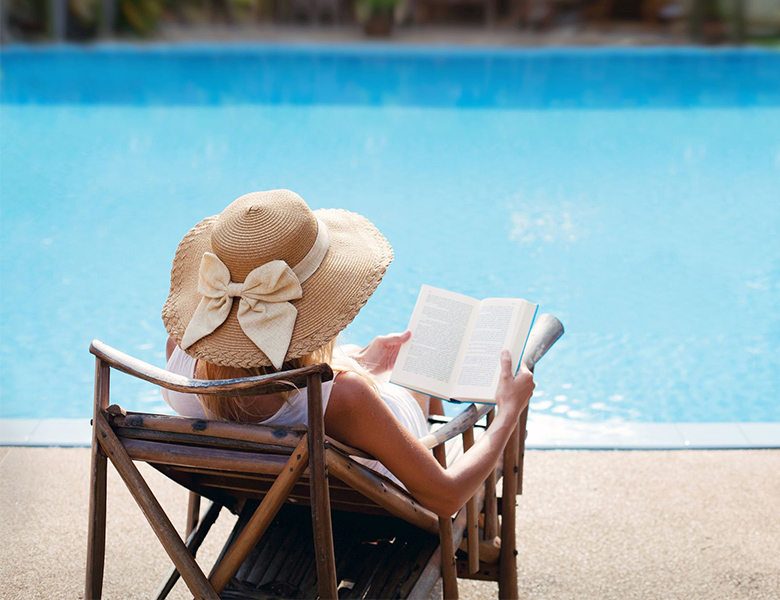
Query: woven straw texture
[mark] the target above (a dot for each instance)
(266, 226)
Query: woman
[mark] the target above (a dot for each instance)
(268, 284)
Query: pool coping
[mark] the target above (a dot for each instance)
(544, 433)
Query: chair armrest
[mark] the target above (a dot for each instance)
(347, 449)
(546, 331)
(263, 384)
(465, 420)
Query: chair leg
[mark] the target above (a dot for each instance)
(449, 571)
(96, 537)
(491, 504)
(96, 541)
(521, 449)
(507, 580)
(472, 517)
(193, 512)
(194, 541)
(322, 528)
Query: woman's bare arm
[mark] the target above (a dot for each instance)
(357, 416)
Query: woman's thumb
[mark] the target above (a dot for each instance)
(506, 363)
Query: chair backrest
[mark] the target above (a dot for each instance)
(202, 444)
(232, 463)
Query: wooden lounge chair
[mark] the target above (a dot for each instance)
(368, 537)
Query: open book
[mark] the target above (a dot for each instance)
(456, 344)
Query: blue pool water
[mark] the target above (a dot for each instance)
(633, 193)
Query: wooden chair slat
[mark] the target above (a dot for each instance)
(344, 499)
(254, 481)
(268, 551)
(259, 434)
(489, 551)
(209, 458)
(186, 439)
(373, 553)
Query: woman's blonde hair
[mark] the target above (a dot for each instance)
(245, 408)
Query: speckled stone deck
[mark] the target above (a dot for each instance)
(607, 525)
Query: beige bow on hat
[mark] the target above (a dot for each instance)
(264, 312)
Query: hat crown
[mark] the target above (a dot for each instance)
(260, 227)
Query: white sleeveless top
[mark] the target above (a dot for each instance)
(295, 411)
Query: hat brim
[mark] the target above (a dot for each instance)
(356, 261)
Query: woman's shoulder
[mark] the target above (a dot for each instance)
(352, 382)
(352, 391)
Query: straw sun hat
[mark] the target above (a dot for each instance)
(269, 280)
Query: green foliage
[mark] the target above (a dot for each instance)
(767, 42)
(140, 16)
(711, 10)
(86, 12)
(377, 6)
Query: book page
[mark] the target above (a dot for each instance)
(440, 323)
(493, 331)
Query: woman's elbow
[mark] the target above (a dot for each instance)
(443, 504)
(446, 510)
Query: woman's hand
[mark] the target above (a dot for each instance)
(380, 355)
(514, 392)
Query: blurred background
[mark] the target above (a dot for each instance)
(589, 22)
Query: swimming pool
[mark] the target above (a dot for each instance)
(632, 193)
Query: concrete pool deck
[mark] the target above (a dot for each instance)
(661, 524)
